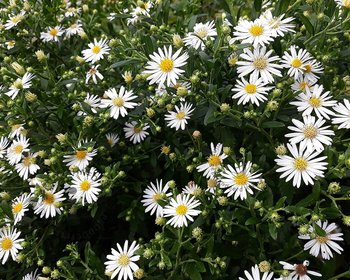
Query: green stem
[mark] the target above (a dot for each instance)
(339, 276)
(294, 256)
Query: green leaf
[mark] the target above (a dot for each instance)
(319, 231)
(307, 23)
(257, 5)
(280, 203)
(124, 62)
(252, 221)
(273, 231)
(7, 209)
(209, 116)
(272, 124)
(192, 271)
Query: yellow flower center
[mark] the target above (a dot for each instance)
(85, 185)
(307, 68)
(256, 30)
(18, 84)
(11, 43)
(202, 33)
(6, 244)
(49, 198)
(214, 160)
(166, 65)
(157, 197)
(16, 19)
(250, 88)
(18, 149)
(232, 61)
(296, 63)
(303, 85)
(346, 3)
(28, 161)
(260, 63)
(53, 32)
(241, 179)
(123, 260)
(137, 129)
(300, 164)
(315, 102)
(181, 209)
(118, 101)
(211, 183)
(16, 208)
(322, 239)
(96, 49)
(310, 132)
(180, 115)
(80, 155)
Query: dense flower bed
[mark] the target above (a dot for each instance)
(174, 139)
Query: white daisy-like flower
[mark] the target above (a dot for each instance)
(9, 243)
(255, 32)
(119, 102)
(19, 206)
(315, 101)
(299, 271)
(17, 130)
(192, 188)
(201, 33)
(278, 24)
(303, 165)
(94, 74)
(31, 276)
(212, 185)
(86, 186)
(165, 66)
(341, 117)
(74, 29)
(27, 166)
(10, 44)
(254, 91)
(112, 139)
(135, 16)
(311, 68)
(239, 180)
(94, 101)
(322, 245)
(20, 84)
(255, 274)
(214, 161)
(260, 63)
(96, 50)
(135, 131)
(14, 20)
(72, 11)
(15, 151)
(152, 195)
(52, 34)
(295, 61)
(181, 209)
(343, 3)
(80, 158)
(301, 84)
(49, 204)
(310, 133)
(178, 118)
(122, 261)
(4, 142)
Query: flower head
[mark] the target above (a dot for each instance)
(136, 132)
(322, 245)
(256, 275)
(122, 261)
(181, 209)
(303, 165)
(9, 243)
(96, 50)
(239, 180)
(201, 33)
(178, 118)
(164, 67)
(214, 161)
